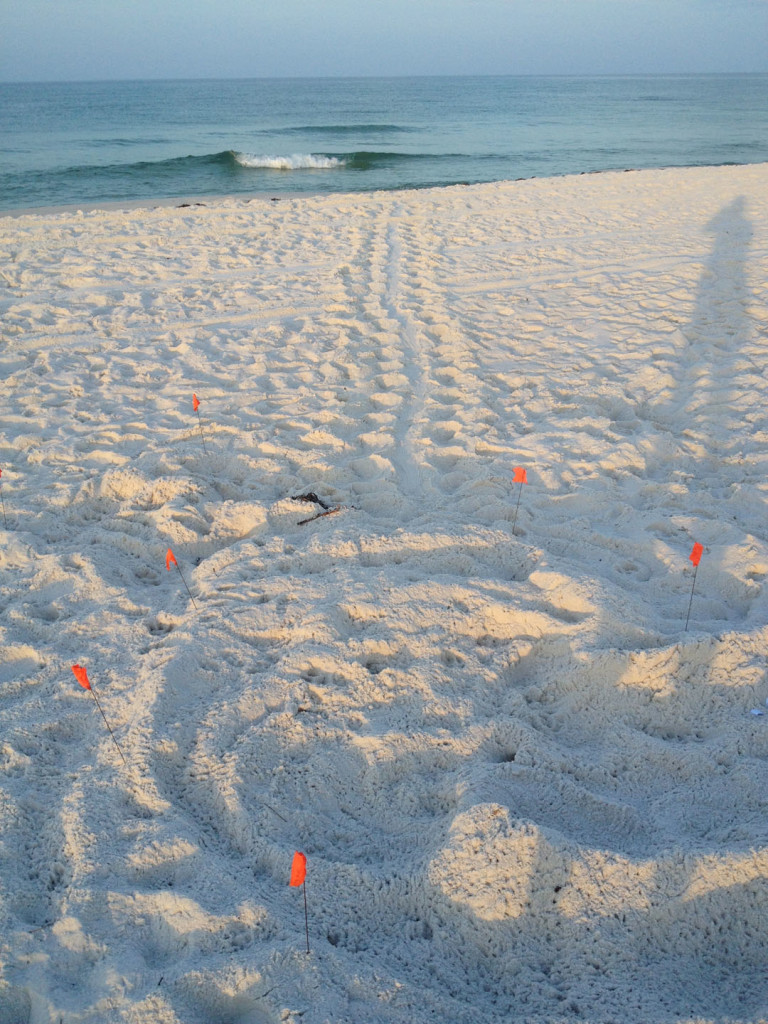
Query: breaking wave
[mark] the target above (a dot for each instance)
(296, 162)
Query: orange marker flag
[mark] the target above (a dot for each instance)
(82, 677)
(298, 869)
(195, 402)
(298, 877)
(170, 559)
(695, 558)
(520, 477)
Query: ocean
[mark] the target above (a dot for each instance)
(94, 142)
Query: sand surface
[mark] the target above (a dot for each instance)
(525, 792)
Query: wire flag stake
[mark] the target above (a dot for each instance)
(299, 877)
(520, 477)
(695, 557)
(170, 559)
(82, 677)
(196, 407)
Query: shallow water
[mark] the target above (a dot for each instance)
(110, 141)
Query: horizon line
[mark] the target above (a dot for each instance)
(403, 77)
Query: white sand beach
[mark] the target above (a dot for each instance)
(525, 791)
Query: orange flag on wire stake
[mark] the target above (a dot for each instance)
(298, 877)
(81, 676)
(695, 558)
(298, 869)
(170, 559)
(196, 408)
(520, 477)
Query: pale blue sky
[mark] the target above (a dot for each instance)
(50, 40)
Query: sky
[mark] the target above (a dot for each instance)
(74, 40)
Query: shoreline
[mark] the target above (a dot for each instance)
(183, 201)
(129, 205)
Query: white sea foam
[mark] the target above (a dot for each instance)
(296, 162)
